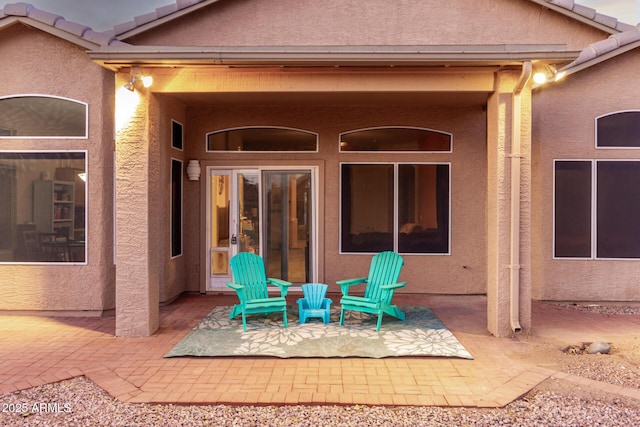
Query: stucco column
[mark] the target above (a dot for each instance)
(137, 296)
(499, 244)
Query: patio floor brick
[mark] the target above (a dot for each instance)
(39, 350)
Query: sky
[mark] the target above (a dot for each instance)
(102, 15)
(627, 11)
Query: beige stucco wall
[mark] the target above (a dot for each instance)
(320, 101)
(339, 22)
(564, 128)
(43, 64)
(461, 272)
(138, 221)
(502, 292)
(173, 273)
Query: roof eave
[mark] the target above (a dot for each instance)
(573, 15)
(115, 58)
(139, 29)
(601, 58)
(71, 38)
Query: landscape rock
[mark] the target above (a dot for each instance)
(601, 347)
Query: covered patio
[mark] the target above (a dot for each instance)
(481, 218)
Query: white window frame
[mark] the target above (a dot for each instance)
(175, 122)
(395, 152)
(39, 95)
(594, 210)
(595, 136)
(395, 208)
(172, 256)
(206, 140)
(259, 169)
(86, 210)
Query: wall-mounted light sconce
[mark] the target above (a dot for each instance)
(548, 73)
(136, 76)
(193, 170)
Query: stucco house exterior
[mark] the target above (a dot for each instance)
(317, 134)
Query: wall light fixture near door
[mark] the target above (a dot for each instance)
(193, 170)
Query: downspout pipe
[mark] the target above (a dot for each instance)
(516, 156)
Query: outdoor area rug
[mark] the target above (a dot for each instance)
(420, 334)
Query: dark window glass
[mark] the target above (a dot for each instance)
(572, 209)
(176, 135)
(262, 139)
(42, 207)
(176, 207)
(368, 210)
(423, 208)
(8, 190)
(619, 130)
(41, 116)
(395, 139)
(367, 207)
(618, 209)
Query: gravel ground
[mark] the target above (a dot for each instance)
(603, 309)
(79, 402)
(88, 405)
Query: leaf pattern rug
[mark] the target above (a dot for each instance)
(420, 334)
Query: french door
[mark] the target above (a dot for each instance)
(265, 211)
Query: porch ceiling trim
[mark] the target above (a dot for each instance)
(114, 57)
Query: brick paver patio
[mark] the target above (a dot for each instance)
(39, 350)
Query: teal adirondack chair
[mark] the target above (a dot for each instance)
(380, 285)
(250, 283)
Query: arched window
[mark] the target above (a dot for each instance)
(262, 139)
(618, 130)
(396, 139)
(41, 116)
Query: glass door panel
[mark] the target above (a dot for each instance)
(287, 224)
(265, 212)
(247, 222)
(219, 232)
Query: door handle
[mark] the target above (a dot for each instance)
(234, 239)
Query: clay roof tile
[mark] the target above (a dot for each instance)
(609, 21)
(567, 4)
(98, 38)
(53, 20)
(72, 27)
(124, 27)
(166, 10)
(186, 3)
(146, 18)
(18, 9)
(585, 11)
(44, 16)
